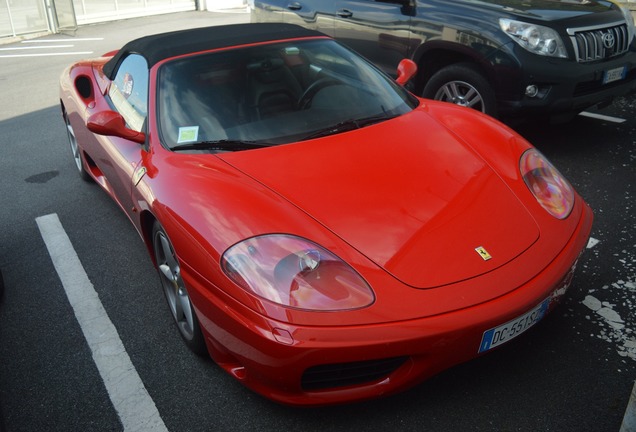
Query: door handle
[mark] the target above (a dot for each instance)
(344, 13)
(294, 6)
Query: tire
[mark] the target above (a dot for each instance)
(175, 291)
(462, 84)
(76, 151)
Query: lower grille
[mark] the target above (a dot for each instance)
(346, 374)
(598, 43)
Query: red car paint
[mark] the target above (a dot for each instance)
(405, 202)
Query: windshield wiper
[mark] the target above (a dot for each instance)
(348, 125)
(224, 144)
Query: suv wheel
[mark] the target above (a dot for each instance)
(462, 84)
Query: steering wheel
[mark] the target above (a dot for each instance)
(304, 101)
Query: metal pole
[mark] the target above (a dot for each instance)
(51, 17)
(10, 18)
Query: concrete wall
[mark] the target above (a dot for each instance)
(224, 4)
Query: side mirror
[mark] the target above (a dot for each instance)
(405, 71)
(113, 124)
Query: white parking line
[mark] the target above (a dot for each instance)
(135, 407)
(20, 48)
(602, 117)
(34, 41)
(46, 54)
(629, 420)
(45, 44)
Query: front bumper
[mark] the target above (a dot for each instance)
(564, 86)
(312, 365)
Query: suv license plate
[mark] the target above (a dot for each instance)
(614, 75)
(510, 330)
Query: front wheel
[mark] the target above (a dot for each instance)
(175, 291)
(76, 151)
(462, 84)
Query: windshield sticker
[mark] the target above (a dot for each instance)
(188, 134)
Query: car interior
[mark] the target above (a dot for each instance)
(274, 94)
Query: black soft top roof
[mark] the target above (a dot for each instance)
(165, 45)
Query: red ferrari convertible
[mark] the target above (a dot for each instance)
(322, 233)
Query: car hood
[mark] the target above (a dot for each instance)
(406, 193)
(549, 9)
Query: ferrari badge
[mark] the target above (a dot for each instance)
(483, 253)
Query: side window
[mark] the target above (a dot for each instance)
(129, 91)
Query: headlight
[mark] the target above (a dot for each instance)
(535, 38)
(548, 186)
(296, 273)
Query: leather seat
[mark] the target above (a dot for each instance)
(271, 88)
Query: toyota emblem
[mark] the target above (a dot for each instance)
(608, 40)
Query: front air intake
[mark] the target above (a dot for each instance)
(348, 374)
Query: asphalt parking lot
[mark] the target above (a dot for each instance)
(573, 372)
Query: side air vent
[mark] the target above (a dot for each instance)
(84, 87)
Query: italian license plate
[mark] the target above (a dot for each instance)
(510, 330)
(614, 75)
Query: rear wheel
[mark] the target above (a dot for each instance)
(175, 291)
(462, 84)
(76, 151)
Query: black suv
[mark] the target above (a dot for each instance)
(504, 57)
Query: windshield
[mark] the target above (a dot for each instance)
(272, 94)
